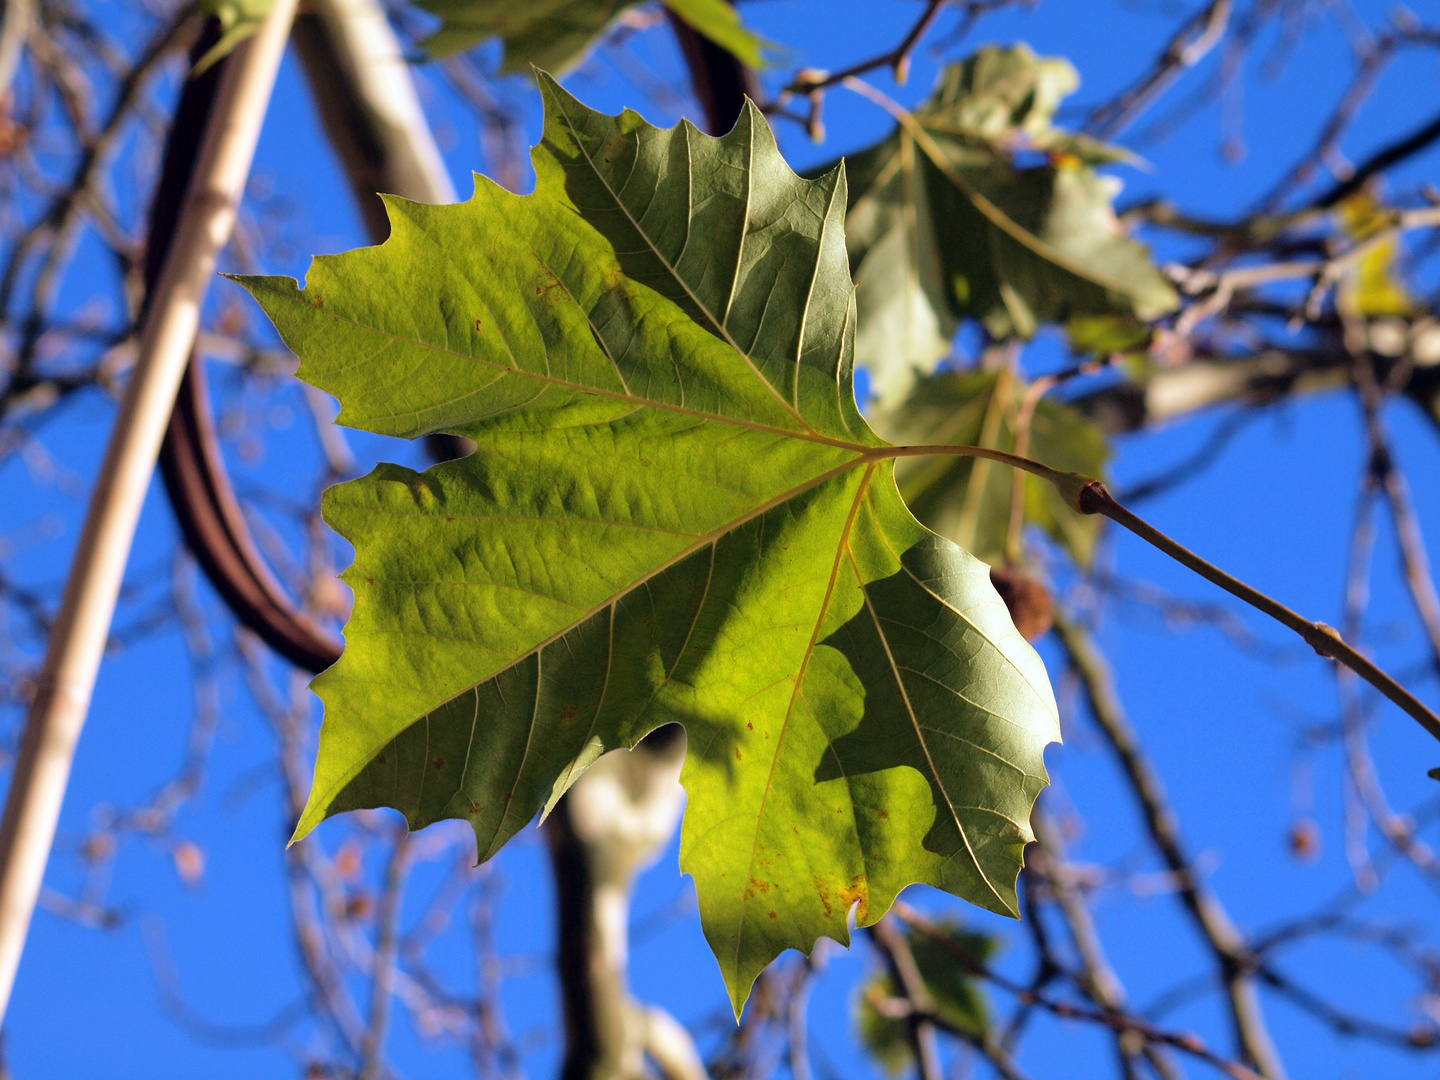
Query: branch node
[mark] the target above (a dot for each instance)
(1324, 639)
(1085, 494)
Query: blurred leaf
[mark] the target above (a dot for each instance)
(1372, 288)
(946, 222)
(1106, 335)
(674, 513)
(968, 499)
(719, 21)
(958, 996)
(557, 34)
(238, 19)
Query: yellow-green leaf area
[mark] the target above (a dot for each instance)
(674, 513)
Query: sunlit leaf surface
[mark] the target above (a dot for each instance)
(674, 514)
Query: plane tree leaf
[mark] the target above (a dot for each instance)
(1374, 286)
(947, 221)
(558, 34)
(969, 500)
(674, 513)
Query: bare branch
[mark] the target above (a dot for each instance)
(1233, 957)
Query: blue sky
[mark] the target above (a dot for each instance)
(1221, 726)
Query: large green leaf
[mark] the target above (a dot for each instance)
(944, 223)
(674, 514)
(968, 499)
(557, 34)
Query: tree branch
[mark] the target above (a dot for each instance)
(1382, 159)
(1191, 44)
(907, 979)
(1182, 1041)
(1232, 956)
(387, 946)
(77, 641)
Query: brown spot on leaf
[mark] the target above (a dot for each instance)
(772, 914)
(824, 893)
(319, 302)
(380, 758)
(479, 326)
(439, 763)
(569, 712)
(476, 808)
(737, 753)
(749, 726)
(884, 814)
(858, 889)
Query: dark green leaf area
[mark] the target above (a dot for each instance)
(674, 514)
(557, 34)
(947, 221)
(959, 998)
(550, 34)
(969, 499)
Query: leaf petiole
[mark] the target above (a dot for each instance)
(1089, 496)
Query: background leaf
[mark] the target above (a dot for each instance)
(719, 21)
(957, 995)
(557, 34)
(674, 513)
(239, 19)
(1373, 287)
(946, 222)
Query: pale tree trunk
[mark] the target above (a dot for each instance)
(77, 640)
(614, 822)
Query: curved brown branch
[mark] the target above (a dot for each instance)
(200, 492)
(366, 109)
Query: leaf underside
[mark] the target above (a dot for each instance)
(674, 514)
(945, 223)
(558, 34)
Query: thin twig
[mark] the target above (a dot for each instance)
(897, 58)
(1183, 1041)
(1325, 640)
(1089, 496)
(1191, 44)
(904, 972)
(386, 949)
(1232, 956)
